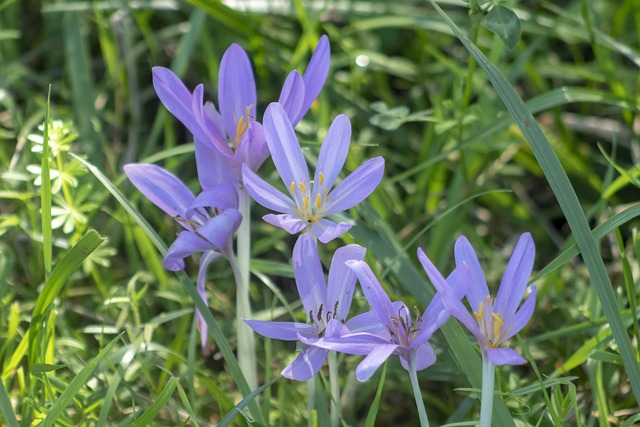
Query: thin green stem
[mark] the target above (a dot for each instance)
(246, 340)
(488, 382)
(422, 412)
(334, 415)
(311, 399)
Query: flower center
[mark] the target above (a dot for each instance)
(310, 204)
(320, 319)
(198, 218)
(242, 126)
(401, 328)
(490, 323)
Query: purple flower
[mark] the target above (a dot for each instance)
(233, 133)
(494, 320)
(209, 220)
(388, 328)
(310, 201)
(322, 303)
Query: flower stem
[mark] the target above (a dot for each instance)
(334, 416)
(422, 412)
(488, 381)
(246, 341)
(311, 399)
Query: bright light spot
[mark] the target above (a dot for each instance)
(362, 60)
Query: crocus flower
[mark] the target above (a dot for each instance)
(310, 201)
(322, 303)
(494, 320)
(209, 220)
(388, 328)
(233, 132)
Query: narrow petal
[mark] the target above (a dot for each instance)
(252, 148)
(212, 118)
(333, 153)
(285, 331)
(292, 224)
(315, 75)
(236, 88)
(521, 317)
(376, 296)
(306, 365)
(213, 168)
(216, 139)
(284, 147)
(372, 362)
(221, 197)
(220, 229)
(205, 260)
(307, 270)
(515, 278)
(358, 344)
(162, 188)
(357, 186)
(327, 230)
(175, 96)
(478, 290)
(423, 357)
(342, 280)
(186, 244)
(266, 194)
(292, 96)
(505, 356)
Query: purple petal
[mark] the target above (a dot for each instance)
(372, 362)
(285, 331)
(333, 153)
(205, 260)
(252, 148)
(236, 88)
(376, 296)
(423, 357)
(161, 187)
(186, 244)
(342, 280)
(327, 230)
(359, 344)
(515, 278)
(292, 224)
(370, 323)
(521, 317)
(220, 229)
(221, 197)
(315, 75)
(213, 119)
(306, 365)
(478, 290)
(216, 139)
(357, 186)
(177, 99)
(307, 270)
(266, 194)
(213, 168)
(505, 356)
(284, 147)
(292, 96)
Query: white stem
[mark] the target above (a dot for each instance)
(246, 340)
(488, 382)
(422, 412)
(334, 416)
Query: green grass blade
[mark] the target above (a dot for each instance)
(567, 198)
(215, 331)
(5, 407)
(45, 196)
(150, 413)
(247, 399)
(375, 405)
(76, 384)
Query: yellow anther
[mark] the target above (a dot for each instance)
(318, 201)
(292, 187)
(326, 195)
(303, 188)
(305, 203)
(497, 324)
(497, 318)
(321, 178)
(480, 313)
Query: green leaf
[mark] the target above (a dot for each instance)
(161, 400)
(247, 399)
(5, 407)
(504, 23)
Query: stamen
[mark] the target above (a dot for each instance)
(321, 178)
(480, 313)
(318, 201)
(303, 189)
(292, 187)
(326, 195)
(305, 203)
(320, 313)
(497, 324)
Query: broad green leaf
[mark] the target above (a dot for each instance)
(504, 23)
